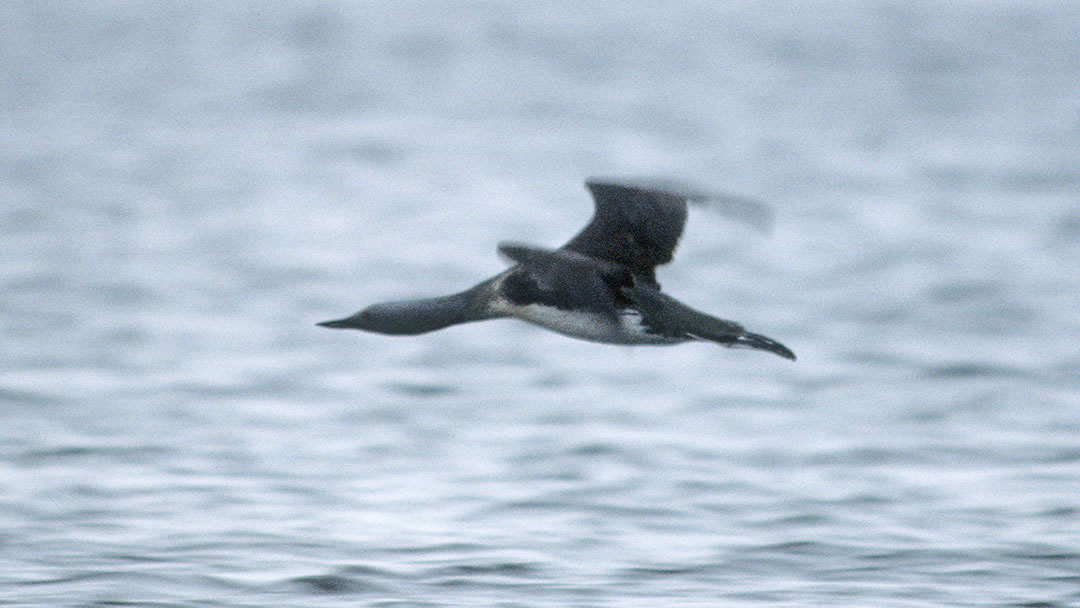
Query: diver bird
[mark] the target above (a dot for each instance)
(600, 286)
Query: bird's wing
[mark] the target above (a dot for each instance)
(562, 279)
(637, 227)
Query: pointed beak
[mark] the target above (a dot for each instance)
(345, 323)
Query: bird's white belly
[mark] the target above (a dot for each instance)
(588, 326)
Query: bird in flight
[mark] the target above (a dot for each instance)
(600, 286)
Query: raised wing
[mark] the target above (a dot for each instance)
(635, 226)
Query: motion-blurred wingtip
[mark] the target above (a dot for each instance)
(750, 211)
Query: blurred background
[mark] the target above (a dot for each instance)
(186, 188)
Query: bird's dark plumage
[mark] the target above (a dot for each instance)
(635, 227)
(599, 286)
(563, 279)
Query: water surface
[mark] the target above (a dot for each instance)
(186, 190)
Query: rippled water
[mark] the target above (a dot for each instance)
(187, 189)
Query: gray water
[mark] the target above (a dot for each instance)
(185, 189)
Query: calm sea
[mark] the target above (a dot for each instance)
(186, 188)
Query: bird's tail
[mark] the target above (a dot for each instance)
(760, 342)
(670, 317)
